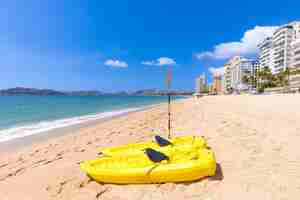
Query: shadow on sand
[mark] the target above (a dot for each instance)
(219, 174)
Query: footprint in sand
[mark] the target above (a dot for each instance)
(3, 165)
(56, 189)
(15, 173)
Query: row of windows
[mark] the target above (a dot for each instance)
(297, 52)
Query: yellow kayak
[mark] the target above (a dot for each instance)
(182, 143)
(182, 166)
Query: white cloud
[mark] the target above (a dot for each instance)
(217, 71)
(246, 46)
(160, 62)
(116, 63)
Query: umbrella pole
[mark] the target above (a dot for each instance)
(169, 115)
(169, 77)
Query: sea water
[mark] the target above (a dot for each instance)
(22, 116)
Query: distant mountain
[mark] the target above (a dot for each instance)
(121, 93)
(30, 91)
(85, 93)
(145, 92)
(49, 92)
(155, 92)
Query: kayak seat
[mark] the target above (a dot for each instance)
(155, 156)
(162, 141)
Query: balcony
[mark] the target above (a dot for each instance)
(296, 45)
(296, 62)
(294, 79)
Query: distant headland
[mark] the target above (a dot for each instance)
(50, 92)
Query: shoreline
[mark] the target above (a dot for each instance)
(16, 144)
(251, 141)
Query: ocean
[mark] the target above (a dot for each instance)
(22, 116)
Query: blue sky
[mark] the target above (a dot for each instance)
(127, 45)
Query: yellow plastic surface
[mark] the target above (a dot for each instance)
(183, 166)
(183, 143)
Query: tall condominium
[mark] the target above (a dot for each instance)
(282, 50)
(235, 69)
(227, 76)
(296, 53)
(200, 84)
(277, 52)
(223, 83)
(217, 83)
(296, 48)
(265, 53)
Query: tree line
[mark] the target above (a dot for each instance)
(263, 78)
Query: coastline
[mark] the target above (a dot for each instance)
(255, 144)
(25, 141)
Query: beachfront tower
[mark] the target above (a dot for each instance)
(235, 69)
(265, 55)
(200, 84)
(217, 83)
(278, 51)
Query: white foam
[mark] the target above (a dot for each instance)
(33, 129)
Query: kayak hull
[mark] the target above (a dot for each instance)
(136, 169)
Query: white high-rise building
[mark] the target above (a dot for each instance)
(200, 84)
(223, 83)
(235, 69)
(282, 50)
(278, 52)
(296, 47)
(296, 53)
(265, 53)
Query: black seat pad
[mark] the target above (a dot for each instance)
(162, 141)
(156, 156)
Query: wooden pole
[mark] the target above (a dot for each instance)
(169, 77)
(169, 114)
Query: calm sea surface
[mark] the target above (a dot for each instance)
(26, 115)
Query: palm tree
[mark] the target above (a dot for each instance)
(287, 75)
(280, 79)
(245, 79)
(264, 77)
(252, 80)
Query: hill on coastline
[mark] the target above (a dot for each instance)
(46, 92)
(50, 92)
(29, 91)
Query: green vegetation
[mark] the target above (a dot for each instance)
(206, 89)
(250, 80)
(265, 78)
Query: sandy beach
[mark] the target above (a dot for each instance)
(255, 139)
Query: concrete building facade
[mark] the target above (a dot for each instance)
(280, 51)
(217, 84)
(265, 55)
(235, 69)
(296, 53)
(201, 84)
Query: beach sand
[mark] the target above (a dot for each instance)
(256, 140)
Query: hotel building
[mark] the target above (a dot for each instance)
(200, 84)
(235, 69)
(278, 52)
(217, 84)
(296, 47)
(265, 55)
